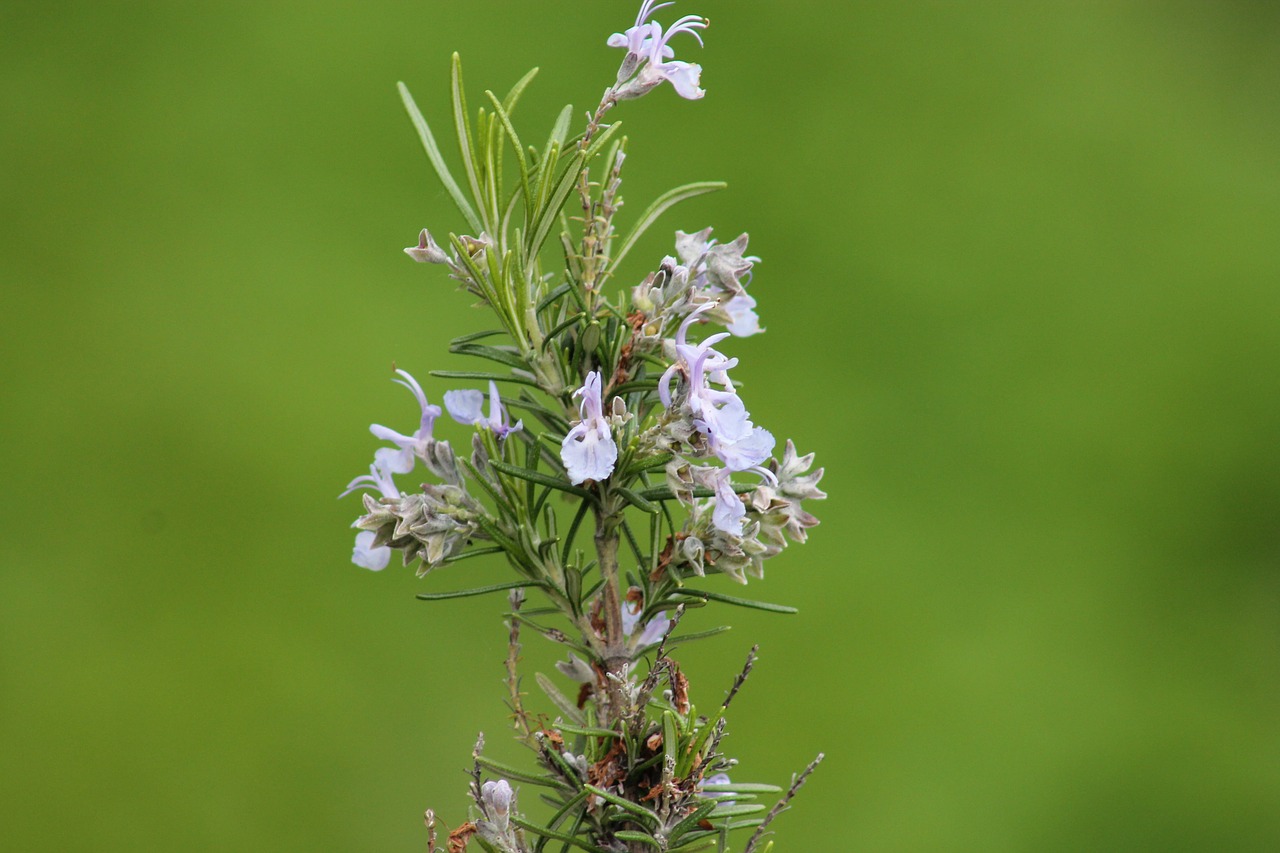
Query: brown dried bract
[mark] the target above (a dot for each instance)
(608, 770)
(622, 373)
(664, 560)
(459, 837)
(584, 693)
(679, 686)
(554, 737)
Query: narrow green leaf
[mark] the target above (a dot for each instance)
(664, 493)
(640, 837)
(739, 602)
(661, 205)
(561, 128)
(626, 805)
(568, 708)
(518, 147)
(496, 377)
(699, 635)
(636, 385)
(437, 160)
(502, 356)
(690, 822)
(649, 463)
(553, 335)
(466, 145)
(558, 836)
(513, 97)
(671, 740)
(740, 788)
(553, 296)
(540, 478)
(588, 731)
(546, 217)
(474, 552)
(480, 590)
(475, 336)
(573, 531)
(637, 501)
(516, 773)
(737, 809)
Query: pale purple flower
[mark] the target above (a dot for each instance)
(378, 478)
(718, 413)
(729, 508)
(588, 451)
(401, 459)
(648, 50)
(720, 779)
(653, 631)
(744, 321)
(366, 554)
(464, 407)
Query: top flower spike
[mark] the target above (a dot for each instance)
(648, 52)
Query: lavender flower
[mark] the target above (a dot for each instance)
(718, 413)
(588, 451)
(464, 407)
(648, 50)
(366, 554)
(653, 630)
(720, 779)
(400, 461)
(729, 508)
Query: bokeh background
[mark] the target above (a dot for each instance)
(1022, 291)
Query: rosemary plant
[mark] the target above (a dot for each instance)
(632, 478)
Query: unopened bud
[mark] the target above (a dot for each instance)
(497, 797)
(427, 252)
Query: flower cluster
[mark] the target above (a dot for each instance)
(649, 53)
(433, 524)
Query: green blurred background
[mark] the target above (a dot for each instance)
(1022, 284)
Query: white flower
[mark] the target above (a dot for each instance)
(729, 509)
(588, 451)
(366, 554)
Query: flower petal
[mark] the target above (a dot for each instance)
(464, 406)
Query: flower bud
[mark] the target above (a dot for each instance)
(497, 798)
(427, 252)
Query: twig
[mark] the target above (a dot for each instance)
(742, 676)
(429, 818)
(476, 774)
(797, 783)
(516, 599)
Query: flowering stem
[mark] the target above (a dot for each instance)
(590, 236)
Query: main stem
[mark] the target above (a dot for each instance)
(616, 656)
